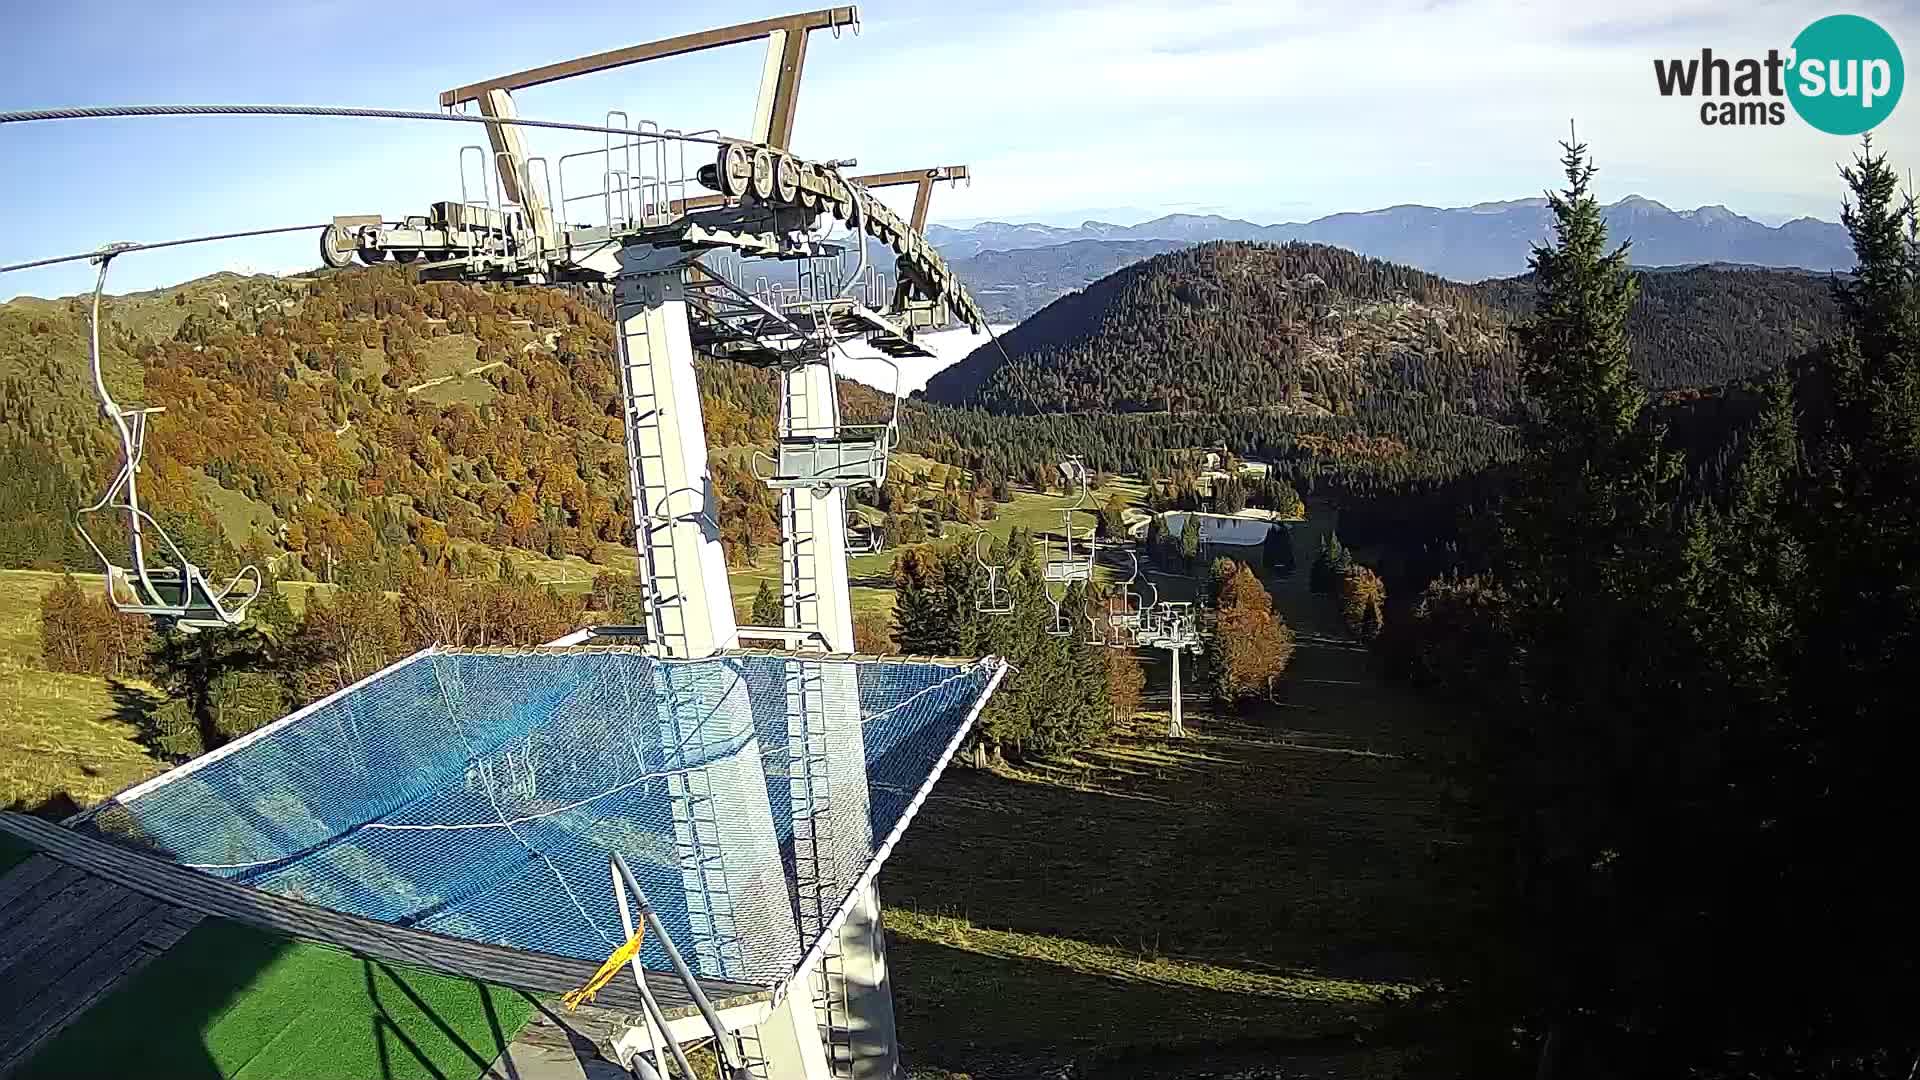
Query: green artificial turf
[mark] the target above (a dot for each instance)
(228, 1001)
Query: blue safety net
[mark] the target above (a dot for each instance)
(480, 794)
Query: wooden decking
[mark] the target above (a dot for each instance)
(85, 911)
(67, 939)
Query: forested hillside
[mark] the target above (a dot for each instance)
(1297, 328)
(357, 421)
(1308, 328)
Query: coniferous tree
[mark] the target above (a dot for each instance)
(1584, 559)
(1328, 564)
(767, 610)
(1277, 550)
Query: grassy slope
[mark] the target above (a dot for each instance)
(76, 735)
(59, 733)
(871, 575)
(1260, 891)
(233, 1002)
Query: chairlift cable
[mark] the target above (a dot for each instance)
(112, 250)
(112, 112)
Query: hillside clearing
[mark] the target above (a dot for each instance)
(1274, 884)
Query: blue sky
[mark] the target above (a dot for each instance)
(1269, 110)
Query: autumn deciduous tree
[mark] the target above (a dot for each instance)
(1363, 601)
(1251, 644)
(84, 634)
(872, 634)
(1461, 641)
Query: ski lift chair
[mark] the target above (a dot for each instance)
(828, 457)
(1067, 570)
(1069, 560)
(993, 598)
(851, 457)
(172, 590)
(863, 536)
(1127, 607)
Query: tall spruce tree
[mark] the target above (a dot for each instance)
(1837, 778)
(1190, 539)
(1579, 765)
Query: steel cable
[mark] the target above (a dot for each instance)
(108, 112)
(121, 249)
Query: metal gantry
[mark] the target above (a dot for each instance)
(673, 222)
(656, 227)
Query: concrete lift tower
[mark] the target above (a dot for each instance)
(647, 225)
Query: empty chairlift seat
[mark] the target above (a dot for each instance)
(851, 457)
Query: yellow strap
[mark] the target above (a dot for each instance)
(573, 999)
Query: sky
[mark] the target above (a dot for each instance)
(1272, 110)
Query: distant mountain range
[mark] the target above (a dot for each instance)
(1469, 243)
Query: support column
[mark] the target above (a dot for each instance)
(510, 159)
(1175, 727)
(689, 603)
(853, 1000)
(790, 1043)
(814, 570)
(863, 950)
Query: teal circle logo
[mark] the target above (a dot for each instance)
(1846, 74)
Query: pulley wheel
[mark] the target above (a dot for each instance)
(735, 169)
(335, 248)
(786, 180)
(763, 173)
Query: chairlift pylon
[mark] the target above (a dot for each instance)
(178, 592)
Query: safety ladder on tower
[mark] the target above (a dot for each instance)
(817, 887)
(696, 829)
(662, 598)
(816, 884)
(796, 533)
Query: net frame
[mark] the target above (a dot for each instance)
(941, 699)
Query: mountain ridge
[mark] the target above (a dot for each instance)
(1316, 328)
(1470, 243)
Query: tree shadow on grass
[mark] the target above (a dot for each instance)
(58, 806)
(992, 1017)
(140, 710)
(228, 997)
